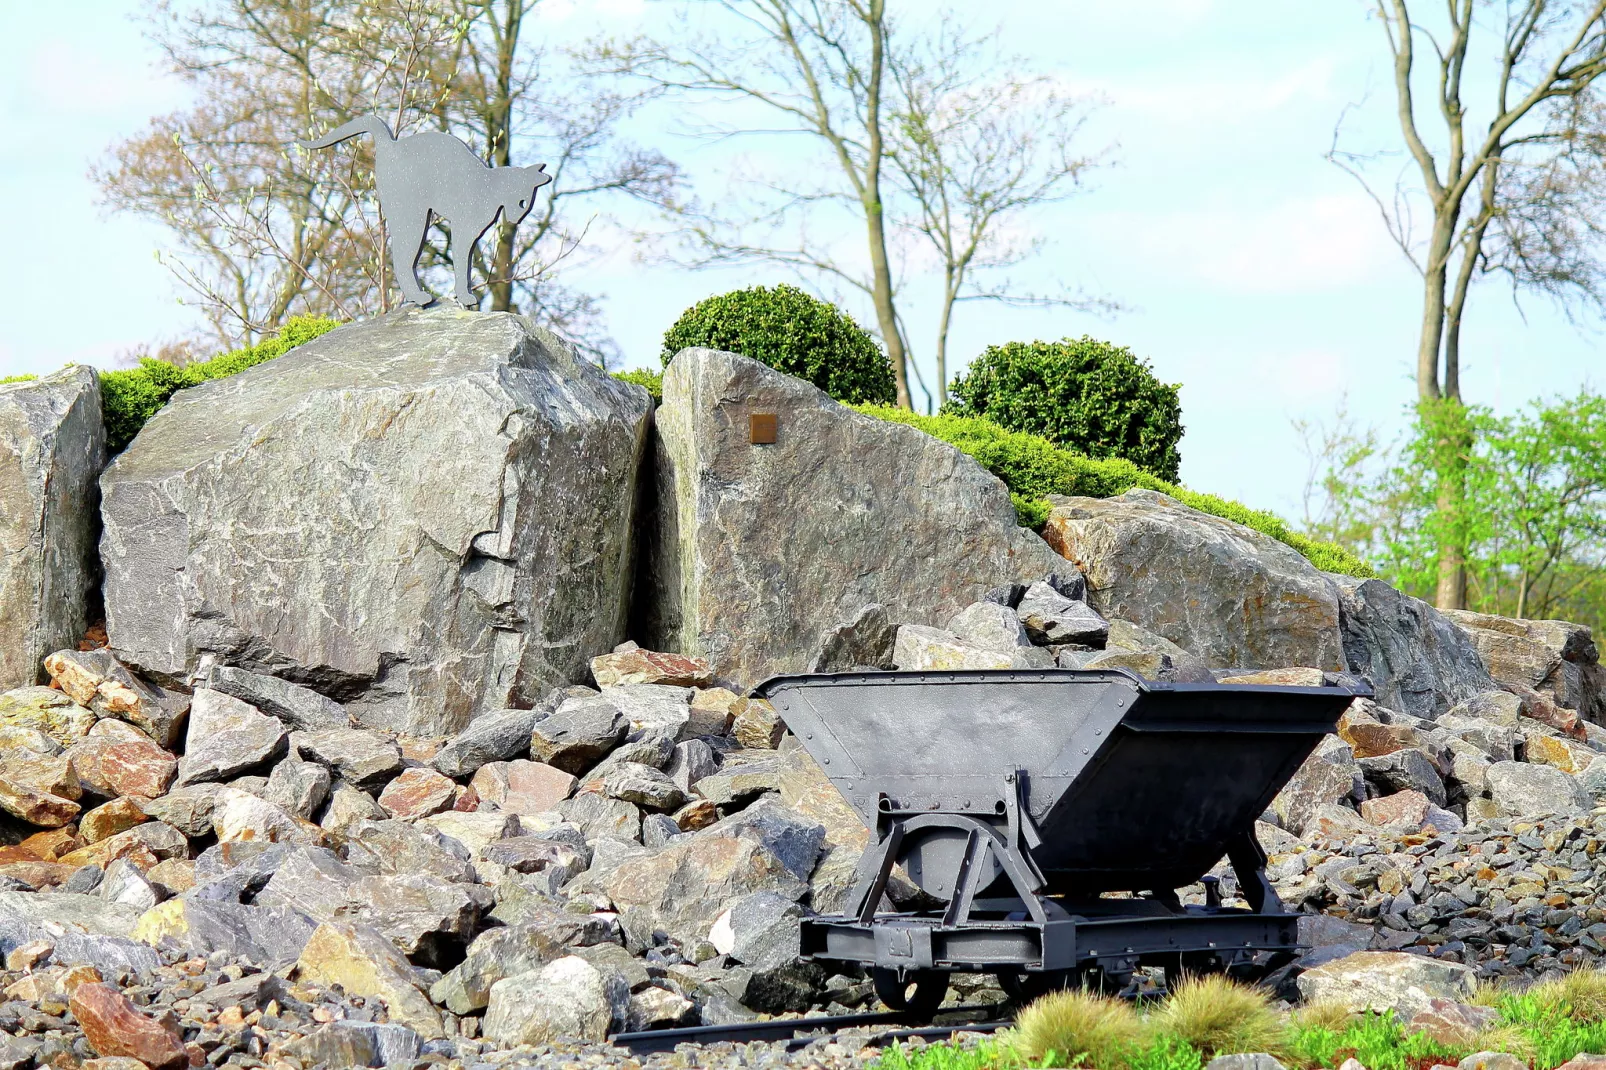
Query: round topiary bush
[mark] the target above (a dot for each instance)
(1081, 394)
(792, 332)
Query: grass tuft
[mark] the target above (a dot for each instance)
(1078, 1028)
(1335, 1017)
(1580, 996)
(1220, 1016)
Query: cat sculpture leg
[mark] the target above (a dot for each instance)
(463, 239)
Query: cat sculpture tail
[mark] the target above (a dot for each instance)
(363, 124)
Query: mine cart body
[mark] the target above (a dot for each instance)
(1052, 815)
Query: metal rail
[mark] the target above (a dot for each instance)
(652, 1041)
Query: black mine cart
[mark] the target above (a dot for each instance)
(1051, 816)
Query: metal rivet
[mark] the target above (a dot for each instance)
(827, 761)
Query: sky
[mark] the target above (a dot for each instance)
(1252, 271)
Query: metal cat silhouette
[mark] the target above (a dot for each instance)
(436, 176)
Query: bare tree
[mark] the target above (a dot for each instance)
(1519, 193)
(261, 232)
(976, 150)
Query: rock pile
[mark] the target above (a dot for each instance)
(633, 855)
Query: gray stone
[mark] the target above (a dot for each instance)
(312, 881)
(398, 847)
(1234, 596)
(991, 627)
(1496, 707)
(1050, 617)
(1382, 980)
(762, 553)
(270, 937)
(690, 762)
(659, 709)
(543, 937)
(349, 1043)
(349, 807)
(765, 931)
(643, 785)
(52, 448)
(742, 776)
(1523, 790)
(864, 639)
(1186, 667)
(919, 648)
(299, 707)
(1419, 662)
(794, 839)
(227, 737)
(579, 733)
(492, 737)
(126, 885)
(299, 787)
(424, 514)
(657, 1008)
(1496, 741)
(474, 831)
(658, 829)
(1330, 776)
(84, 929)
(363, 759)
(1255, 1061)
(1407, 769)
(424, 916)
(567, 998)
(599, 816)
(188, 809)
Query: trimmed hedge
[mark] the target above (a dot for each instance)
(1033, 467)
(129, 398)
(1093, 397)
(651, 381)
(791, 332)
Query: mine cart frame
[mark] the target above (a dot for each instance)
(1039, 914)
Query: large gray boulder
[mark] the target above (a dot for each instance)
(423, 516)
(1555, 657)
(1419, 662)
(52, 448)
(763, 553)
(1235, 597)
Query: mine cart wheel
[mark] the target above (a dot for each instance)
(1022, 988)
(917, 993)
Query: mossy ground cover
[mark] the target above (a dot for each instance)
(1033, 467)
(1545, 1026)
(4, 379)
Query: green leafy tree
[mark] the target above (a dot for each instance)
(1085, 395)
(793, 332)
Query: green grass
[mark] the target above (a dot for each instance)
(17, 379)
(1545, 1025)
(1033, 468)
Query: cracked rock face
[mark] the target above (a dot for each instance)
(52, 448)
(421, 516)
(764, 553)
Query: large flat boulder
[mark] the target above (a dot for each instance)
(52, 448)
(1418, 660)
(1233, 596)
(1554, 657)
(422, 516)
(763, 552)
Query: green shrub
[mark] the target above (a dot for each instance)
(647, 379)
(130, 398)
(794, 333)
(1033, 468)
(1081, 394)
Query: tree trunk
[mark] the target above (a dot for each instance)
(499, 132)
(874, 210)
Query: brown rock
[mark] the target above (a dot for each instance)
(176, 875)
(143, 846)
(806, 791)
(53, 844)
(757, 725)
(115, 768)
(119, 815)
(50, 773)
(95, 679)
(10, 855)
(1369, 738)
(712, 710)
(1401, 808)
(1541, 708)
(115, 1027)
(522, 787)
(422, 751)
(1568, 755)
(697, 814)
(638, 666)
(37, 875)
(34, 806)
(29, 955)
(418, 792)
